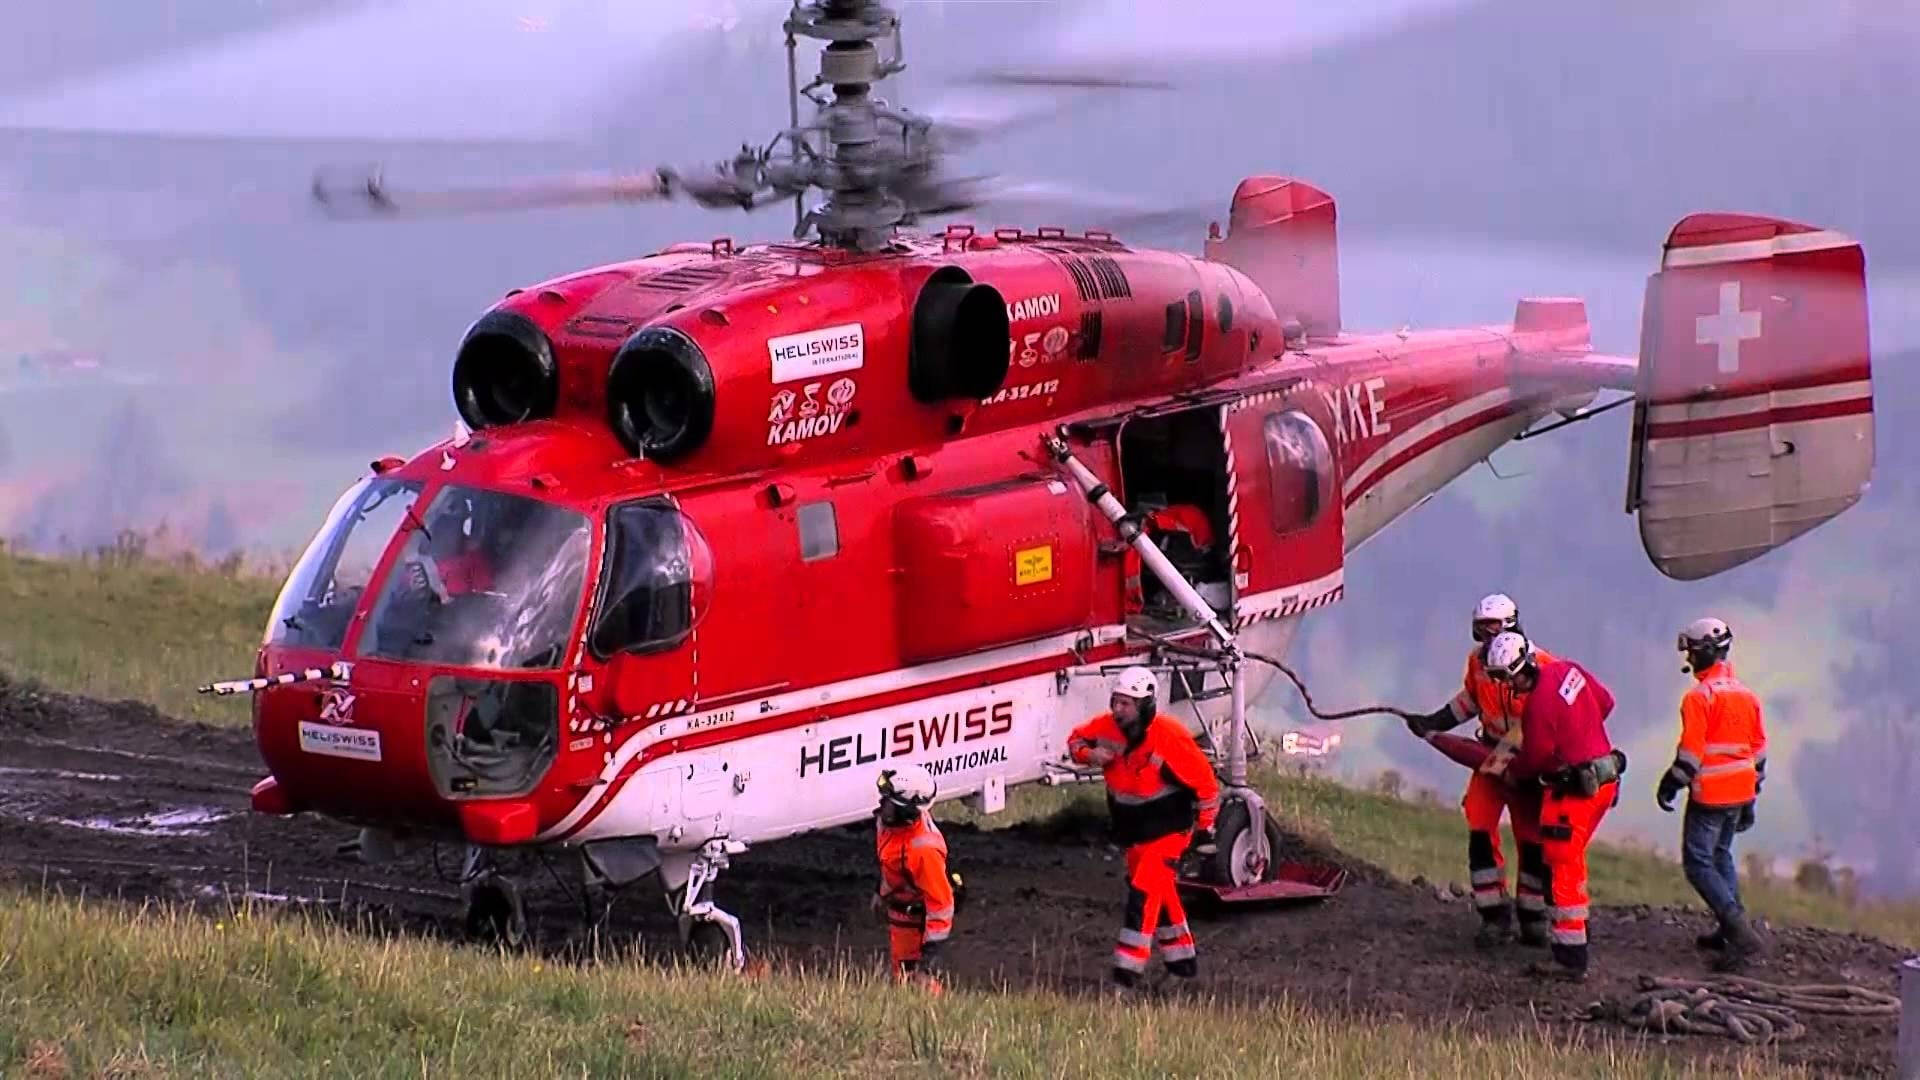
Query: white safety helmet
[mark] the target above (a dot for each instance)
(1497, 609)
(907, 785)
(1508, 654)
(1137, 683)
(1706, 640)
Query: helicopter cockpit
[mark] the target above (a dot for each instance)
(483, 579)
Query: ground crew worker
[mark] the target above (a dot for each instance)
(915, 887)
(1564, 749)
(1497, 706)
(1163, 799)
(1721, 761)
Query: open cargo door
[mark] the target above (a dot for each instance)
(1754, 418)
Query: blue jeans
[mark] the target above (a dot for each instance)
(1707, 854)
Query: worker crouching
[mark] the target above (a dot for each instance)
(916, 889)
(1565, 750)
(1163, 799)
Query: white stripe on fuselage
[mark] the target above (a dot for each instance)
(1425, 429)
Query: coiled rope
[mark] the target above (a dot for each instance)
(1748, 1010)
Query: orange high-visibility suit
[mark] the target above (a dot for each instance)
(1498, 707)
(1564, 732)
(915, 889)
(1723, 744)
(1158, 791)
(1178, 518)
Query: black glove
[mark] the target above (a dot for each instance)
(931, 959)
(1670, 786)
(1432, 723)
(1203, 844)
(1746, 819)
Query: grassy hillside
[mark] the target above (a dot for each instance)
(125, 626)
(86, 991)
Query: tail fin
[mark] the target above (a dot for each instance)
(1754, 414)
(1280, 233)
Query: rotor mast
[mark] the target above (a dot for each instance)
(859, 171)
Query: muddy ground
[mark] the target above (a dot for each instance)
(119, 801)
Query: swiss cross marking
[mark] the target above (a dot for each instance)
(1728, 327)
(1571, 686)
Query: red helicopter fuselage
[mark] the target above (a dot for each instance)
(735, 528)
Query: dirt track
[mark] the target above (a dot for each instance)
(118, 800)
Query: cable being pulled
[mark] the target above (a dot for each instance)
(1298, 683)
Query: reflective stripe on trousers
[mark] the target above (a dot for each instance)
(1151, 897)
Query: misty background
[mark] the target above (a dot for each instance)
(253, 356)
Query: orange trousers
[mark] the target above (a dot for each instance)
(1567, 825)
(906, 929)
(1153, 896)
(1487, 798)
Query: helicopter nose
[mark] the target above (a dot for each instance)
(404, 745)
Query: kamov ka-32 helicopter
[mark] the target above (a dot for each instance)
(728, 529)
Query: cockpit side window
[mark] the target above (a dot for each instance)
(656, 581)
(324, 588)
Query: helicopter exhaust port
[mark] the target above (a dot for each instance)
(962, 341)
(660, 395)
(505, 372)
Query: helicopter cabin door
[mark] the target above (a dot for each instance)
(1285, 522)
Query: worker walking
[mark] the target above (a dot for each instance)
(1564, 749)
(1722, 762)
(1497, 706)
(1163, 799)
(915, 886)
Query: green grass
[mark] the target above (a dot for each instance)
(87, 990)
(117, 625)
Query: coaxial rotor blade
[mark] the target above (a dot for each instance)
(1077, 207)
(371, 198)
(413, 71)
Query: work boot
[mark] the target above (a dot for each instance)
(1185, 969)
(1492, 935)
(1569, 965)
(1713, 942)
(1742, 944)
(1533, 933)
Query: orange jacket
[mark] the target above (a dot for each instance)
(913, 875)
(1160, 786)
(1497, 705)
(1723, 744)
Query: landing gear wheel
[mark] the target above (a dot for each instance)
(1237, 862)
(707, 943)
(494, 913)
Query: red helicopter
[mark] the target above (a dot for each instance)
(727, 529)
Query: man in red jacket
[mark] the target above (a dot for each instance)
(1564, 748)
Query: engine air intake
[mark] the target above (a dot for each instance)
(505, 372)
(660, 395)
(962, 341)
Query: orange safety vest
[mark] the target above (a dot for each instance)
(1163, 786)
(913, 877)
(1723, 744)
(1498, 705)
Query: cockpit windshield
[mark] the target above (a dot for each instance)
(486, 580)
(324, 589)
